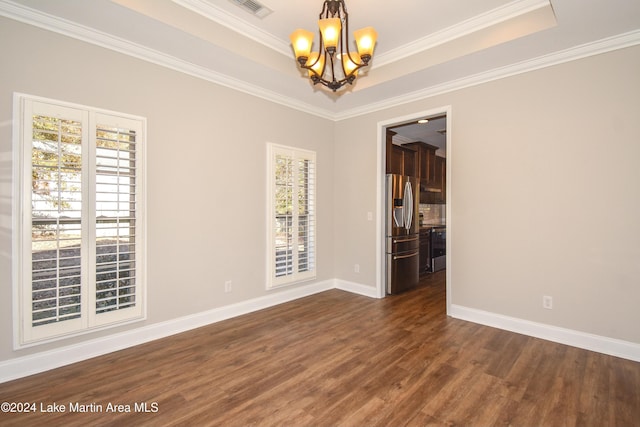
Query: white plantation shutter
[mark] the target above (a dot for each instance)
(80, 236)
(306, 213)
(292, 215)
(117, 207)
(115, 218)
(54, 278)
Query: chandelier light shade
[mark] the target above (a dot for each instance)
(333, 65)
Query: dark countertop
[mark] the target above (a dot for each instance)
(426, 227)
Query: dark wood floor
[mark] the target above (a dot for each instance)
(338, 359)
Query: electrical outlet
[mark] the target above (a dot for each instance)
(369, 216)
(227, 286)
(547, 302)
(356, 268)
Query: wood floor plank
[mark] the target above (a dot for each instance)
(339, 359)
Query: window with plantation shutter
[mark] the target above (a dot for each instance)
(292, 215)
(80, 223)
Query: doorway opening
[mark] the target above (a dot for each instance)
(421, 151)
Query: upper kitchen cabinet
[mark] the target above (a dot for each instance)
(441, 179)
(425, 161)
(401, 160)
(432, 171)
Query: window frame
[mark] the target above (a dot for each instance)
(25, 334)
(273, 282)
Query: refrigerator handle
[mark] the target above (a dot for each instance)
(398, 221)
(408, 205)
(405, 256)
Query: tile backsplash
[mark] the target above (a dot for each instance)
(433, 214)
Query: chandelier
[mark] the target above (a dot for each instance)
(333, 65)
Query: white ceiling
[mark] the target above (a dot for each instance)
(433, 133)
(424, 46)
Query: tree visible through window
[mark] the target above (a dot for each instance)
(56, 219)
(292, 212)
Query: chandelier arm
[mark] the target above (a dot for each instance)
(324, 10)
(344, 40)
(315, 73)
(358, 63)
(346, 27)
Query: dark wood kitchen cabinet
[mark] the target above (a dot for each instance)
(432, 171)
(400, 159)
(441, 179)
(425, 161)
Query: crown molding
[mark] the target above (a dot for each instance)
(211, 11)
(493, 17)
(71, 29)
(485, 20)
(609, 44)
(80, 32)
(402, 139)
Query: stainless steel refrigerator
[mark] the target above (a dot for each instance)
(402, 233)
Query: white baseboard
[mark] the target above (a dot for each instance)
(597, 343)
(356, 288)
(51, 359)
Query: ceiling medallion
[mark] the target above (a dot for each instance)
(333, 65)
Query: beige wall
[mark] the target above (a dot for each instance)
(206, 162)
(546, 194)
(545, 184)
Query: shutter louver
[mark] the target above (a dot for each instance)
(306, 215)
(115, 218)
(284, 216)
